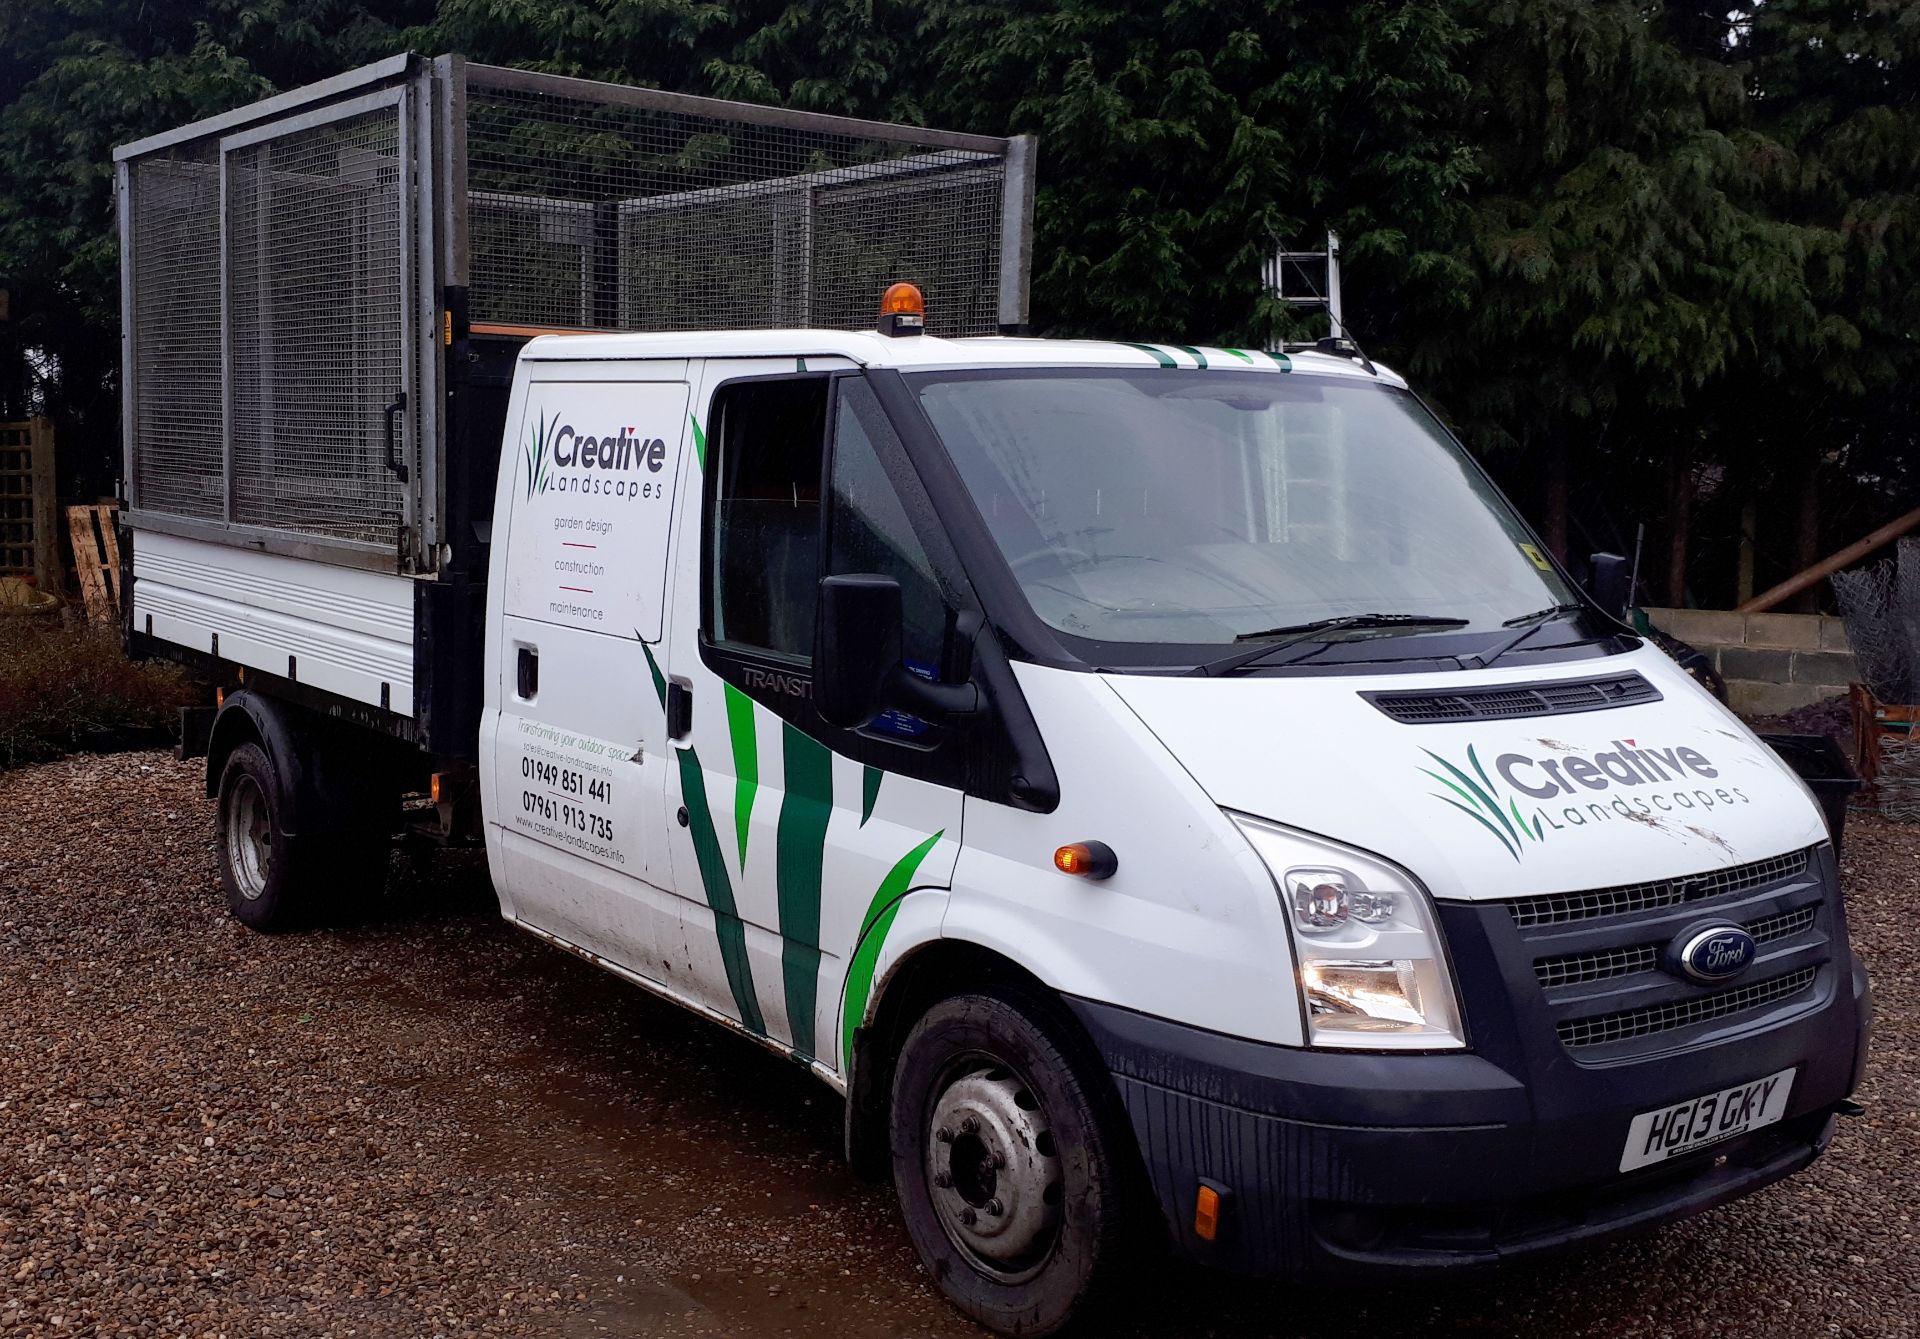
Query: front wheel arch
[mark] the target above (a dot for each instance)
(924, 977)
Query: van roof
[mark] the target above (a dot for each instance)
(927, 352)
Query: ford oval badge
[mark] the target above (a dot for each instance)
(1712, 953)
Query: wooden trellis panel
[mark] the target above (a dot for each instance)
(29, 535)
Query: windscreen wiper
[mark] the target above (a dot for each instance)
(1277, 639)
(1528, 625)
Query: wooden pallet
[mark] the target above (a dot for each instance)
(96, 560)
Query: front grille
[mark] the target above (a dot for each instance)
(1610, 1028)
(1579, 968)
(1560, 908)
(1784, 926)
(1510, 701)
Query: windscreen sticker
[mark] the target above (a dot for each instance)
(1537, 558)
(596, 473)
(1566, 790)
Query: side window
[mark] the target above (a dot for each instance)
(765, 520)
(868, 529)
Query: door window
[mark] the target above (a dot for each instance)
(764, 518)
(868, 530)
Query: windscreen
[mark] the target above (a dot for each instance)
(1200, 507)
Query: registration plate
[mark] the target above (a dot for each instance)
(1688, 1126)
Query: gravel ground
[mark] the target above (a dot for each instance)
(433, 1125)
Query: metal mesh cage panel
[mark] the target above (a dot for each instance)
(315, 326)
(176, 327)
(585, 211)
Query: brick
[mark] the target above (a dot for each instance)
(1833, 635)
(1771, 699)
(1757, 664)
(1832, 668)
(1704, 628)
(1801, 632)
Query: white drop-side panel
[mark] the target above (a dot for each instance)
(349, 631)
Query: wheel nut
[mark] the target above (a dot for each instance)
(969, 1126)
(943, 1180)
(944, 1135)
(995, 1207)
(969, 1217)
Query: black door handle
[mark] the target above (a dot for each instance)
(679, 711)
(393, 411)
(528, 673)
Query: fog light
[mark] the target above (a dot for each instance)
(1358, 995)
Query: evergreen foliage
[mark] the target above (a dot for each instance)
(1651, 255)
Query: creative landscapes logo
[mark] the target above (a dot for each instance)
(563, 460)
(1645, 784)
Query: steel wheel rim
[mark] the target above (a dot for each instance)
(992, 1170)
(249, 838)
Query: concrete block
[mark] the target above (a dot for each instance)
(1835, 669)
(1799, 631)
(1771, 699)
(1703, 628)
(1759, 664)
(1833, 635)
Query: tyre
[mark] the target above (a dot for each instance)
(1007, 1161)
(257, 869)
(271, 882)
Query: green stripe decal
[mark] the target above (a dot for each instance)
(746, 764)
(727, 927)
(800, 846)
(1197, 356)
(869, 792)
(1241, 354)
(1164, 359)
(699, 442)
(873, 933)
(1281, 361)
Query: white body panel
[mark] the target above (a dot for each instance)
(1311, 753)
(348, 631)
(1188, 928)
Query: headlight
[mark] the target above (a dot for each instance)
(1373, 974)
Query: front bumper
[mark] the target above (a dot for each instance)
(1340, 1162)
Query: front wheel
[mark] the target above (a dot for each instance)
(1005, 1160)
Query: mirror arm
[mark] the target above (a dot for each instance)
(918, 694)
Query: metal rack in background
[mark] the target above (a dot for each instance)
(1881, 608)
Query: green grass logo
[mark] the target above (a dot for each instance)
(1473, 793)
(537, 476)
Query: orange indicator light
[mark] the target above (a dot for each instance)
(1089, 860)
(1206, 1213)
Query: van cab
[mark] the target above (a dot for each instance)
(1165, 789)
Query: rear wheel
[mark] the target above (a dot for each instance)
(256, 869)
(1006, 1161)
(273, 883)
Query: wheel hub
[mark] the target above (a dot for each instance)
(993, 1170)
(249, 838)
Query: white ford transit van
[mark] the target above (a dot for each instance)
(1145, 773)
(1166, 789)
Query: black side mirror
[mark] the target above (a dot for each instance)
(1608, 585)
(858, 670)
(856, 647)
